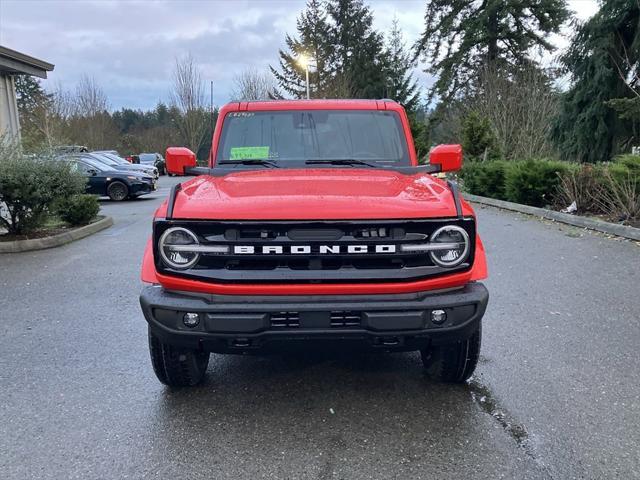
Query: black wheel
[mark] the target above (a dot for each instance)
(117, 191)
(177, 367)
(453, 363)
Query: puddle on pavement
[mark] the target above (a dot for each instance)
(484, 398)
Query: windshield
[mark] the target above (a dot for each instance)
(292, 138)
(147, 157)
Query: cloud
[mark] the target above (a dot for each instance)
(129, 47)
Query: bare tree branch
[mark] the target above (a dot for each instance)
(188, 96)
(253, 84)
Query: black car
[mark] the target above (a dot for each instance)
(153, 159)
(105, 180)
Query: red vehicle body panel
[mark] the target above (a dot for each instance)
(314, 194)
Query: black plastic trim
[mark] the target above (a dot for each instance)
(246, 328)
(172, 200)
(218, 171)
(198, 171)
(453, 186)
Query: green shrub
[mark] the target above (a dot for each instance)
(625, 165)
(534, 182)
(30, 186)
(78, 209)
(486, 179)
(478, 139)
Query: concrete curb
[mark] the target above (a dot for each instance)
(55, 240)
(577, 221)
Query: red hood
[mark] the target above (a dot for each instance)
(313, 194)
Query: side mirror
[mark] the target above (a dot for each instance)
(178, 159)
(92, 172)
(447, 157)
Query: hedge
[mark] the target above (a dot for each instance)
(612, 189)
(532, 182)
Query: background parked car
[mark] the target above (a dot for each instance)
(105, 180)
(126, 167)
(64, 149)
(120, 163)
(112, 152)
(154, 159)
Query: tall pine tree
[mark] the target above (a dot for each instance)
(33, 104)
(313, 41)
(357, 49)
(597, 118)
(400, 84)
(461, 37)
(347, 53)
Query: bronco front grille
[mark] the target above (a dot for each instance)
(345, 319)
(313, 252)
(285, 320)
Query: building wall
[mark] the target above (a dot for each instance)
(9, 124)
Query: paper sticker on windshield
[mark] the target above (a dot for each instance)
(248, 153)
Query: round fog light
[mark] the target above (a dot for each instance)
(438, 316)
(191, 319)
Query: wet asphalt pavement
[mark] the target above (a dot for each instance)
(556, 394)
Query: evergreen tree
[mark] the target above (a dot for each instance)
(32, 101)
(313, 41)
(29, 94)
(603, 63)
(357, 50)
(347, 54)
(478, 139)
(401, 86)
(462, 37)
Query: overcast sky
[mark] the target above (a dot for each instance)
(129, 46)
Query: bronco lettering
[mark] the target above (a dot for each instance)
(306, 249)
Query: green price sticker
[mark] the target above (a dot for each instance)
(248, 153)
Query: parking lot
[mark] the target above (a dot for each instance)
(556, 394)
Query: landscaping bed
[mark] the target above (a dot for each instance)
(42, 198)
(603, 192)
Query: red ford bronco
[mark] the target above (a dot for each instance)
(313, 225)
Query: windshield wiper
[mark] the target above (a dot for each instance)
(249, 161)
(340, 161)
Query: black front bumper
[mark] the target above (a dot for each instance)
(243, 324)
(142, 188)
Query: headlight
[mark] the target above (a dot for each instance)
(454, 247)
(176, 246)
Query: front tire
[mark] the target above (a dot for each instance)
(117, 191)
(177, 367)
(455, 362)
